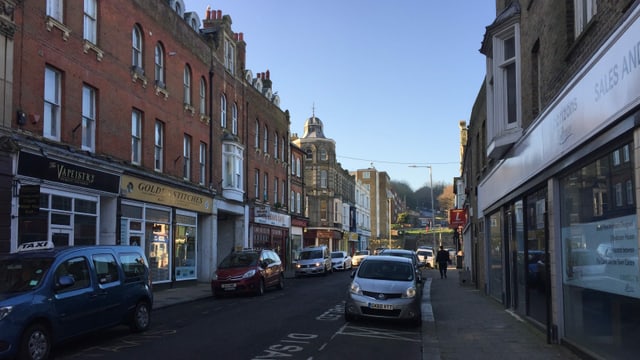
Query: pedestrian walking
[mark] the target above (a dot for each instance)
(443, 260)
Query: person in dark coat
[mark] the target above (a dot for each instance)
(443, 260)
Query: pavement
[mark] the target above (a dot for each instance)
(459, 322)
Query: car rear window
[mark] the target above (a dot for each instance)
(386, 270)
(315, 254)
(237, 260)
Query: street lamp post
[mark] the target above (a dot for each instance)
(433, 212)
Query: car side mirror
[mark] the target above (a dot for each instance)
(353, 274)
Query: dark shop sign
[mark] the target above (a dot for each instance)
(40, 167)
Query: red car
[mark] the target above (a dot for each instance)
(248, 272)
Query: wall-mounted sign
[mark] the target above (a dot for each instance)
(144, 190)
(29, 200)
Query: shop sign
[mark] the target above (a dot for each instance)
(261, 211)
(275, 219)
(149, 191)
(457, 218)
(40, 167)
(29, 200)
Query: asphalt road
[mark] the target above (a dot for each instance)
(303, 321)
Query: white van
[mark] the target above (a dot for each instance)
(313, 260)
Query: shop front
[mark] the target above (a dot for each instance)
(167, 222)
(560, 210)
(270, 230)
(65, 201)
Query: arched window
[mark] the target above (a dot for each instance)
(223, 111)
(234, 119)
(187, 85)
(265, 141)
(159, 61)
(275, 145)
(136, 47)
(203, 96)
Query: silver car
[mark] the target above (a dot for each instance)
(384, 287)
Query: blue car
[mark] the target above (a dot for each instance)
(49, 294)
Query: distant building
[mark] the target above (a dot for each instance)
(330, 190)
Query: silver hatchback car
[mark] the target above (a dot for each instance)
(384, 287)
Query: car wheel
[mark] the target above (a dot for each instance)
(260, 289)
(36, 343)
(141, 319)
(281, 282)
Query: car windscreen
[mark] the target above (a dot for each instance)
(238, 260)
(314, 254)
(386, 270)
(337, 255)
(362, 252)
(22, 274)
(425, 253)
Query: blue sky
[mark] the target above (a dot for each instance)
(399, 74)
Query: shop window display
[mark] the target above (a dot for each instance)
(600, 272)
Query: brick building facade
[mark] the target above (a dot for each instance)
(137, 122)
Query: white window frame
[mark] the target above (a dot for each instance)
(502, 88)
(229, 55)
(158, 59)
(89, 95)
(276, 187)
(265, 141)
(233, 160)
(203, 162)
(323, 179)
(265, 187)
(234, 119)
(276, 139)
(136, 137)
(256, 184)
(292, 201)
(186, 156)
(136, 47)
(203, 96)
(158, 154)
(298, 203)
(52, 104)
(91, 21)
(223, 111)
(55, 9)
(187, 85)
(584, 11)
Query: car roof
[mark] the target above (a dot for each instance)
(389, 258)
(397, 251)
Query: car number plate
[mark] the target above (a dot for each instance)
(381, 306)
(229, 286)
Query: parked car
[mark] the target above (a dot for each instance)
(248, 272)
(417, 265)
(50, 294)
(340, 260)
(384, 287)
(358, 256)
(377, 251)
(313, 260)
(426, 257)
